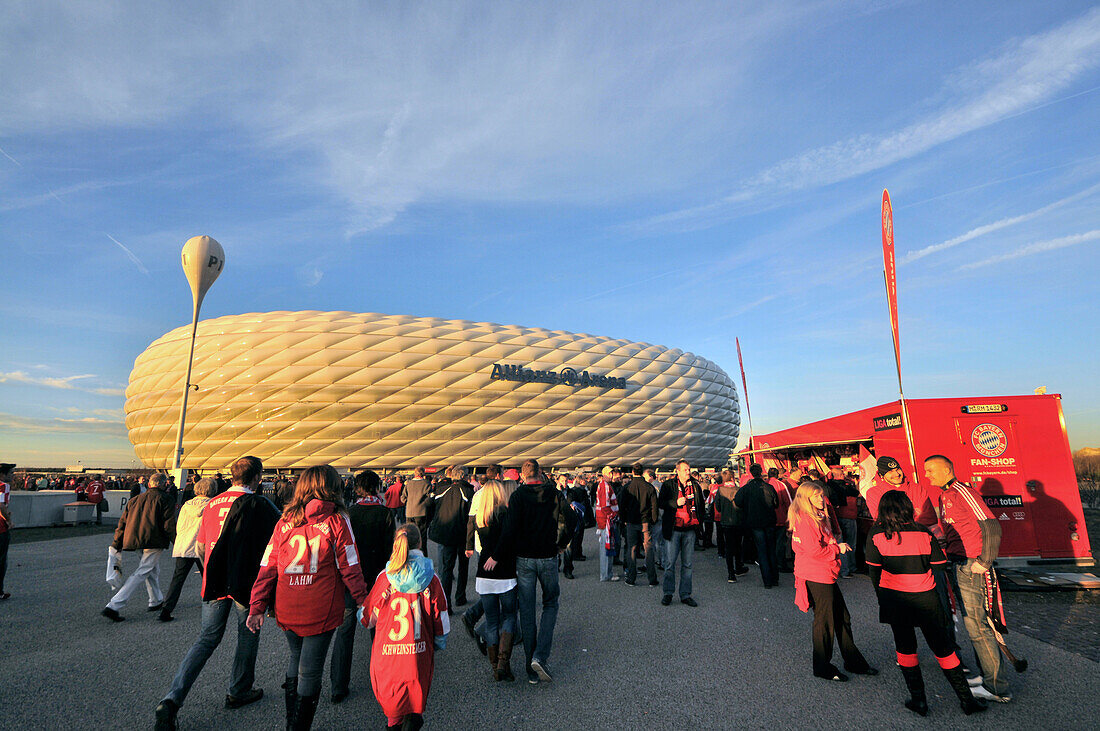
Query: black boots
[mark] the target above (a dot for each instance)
(290, 693)
(969, 703)
(303, 716)
(914, 681)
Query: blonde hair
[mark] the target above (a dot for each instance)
(407, 535)
(320, 483)
(496, 498)
(801, 505)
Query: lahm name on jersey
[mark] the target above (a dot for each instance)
(405, 648)
(301, 580)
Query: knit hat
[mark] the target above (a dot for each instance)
(885, 464)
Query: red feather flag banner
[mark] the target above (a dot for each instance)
(890, 273)
(745, 391)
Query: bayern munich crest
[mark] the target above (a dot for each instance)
(989, 440)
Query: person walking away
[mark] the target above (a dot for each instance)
(496, 575)
(308, 565)
(785, 490)
(681, 499)
(5, 523)
(901, 556)
(575, 497)
(393, 500)
(148, 525)
(655, 533)
(373, 526)
(580, 495)
(93, 493)
(408, 611)
(757, 502)
(185, 549)
(816, 566)
(418, 503)
(638, 511)
(606, 506)
(236, 527)
(973, 539)
(729, 526)
(450, 511)
(842, 494)
(531, 533)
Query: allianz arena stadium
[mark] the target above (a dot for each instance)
(393, 391)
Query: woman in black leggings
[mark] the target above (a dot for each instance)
(901, 555)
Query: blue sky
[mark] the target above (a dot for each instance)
(677, 173)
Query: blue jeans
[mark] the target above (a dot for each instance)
(972, 601)
(605, 560)
(848, 560)
(765, 554)
(500, 615)
(343, 645)
(307, 660)
(215, 615)
(682, 546)
(448, 556)
(537, 641)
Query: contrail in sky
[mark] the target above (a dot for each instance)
(128, 253)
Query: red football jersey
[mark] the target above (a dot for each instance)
(213, 518)
(95, 491)
(961, 509)
(403, 655)
(307, 567)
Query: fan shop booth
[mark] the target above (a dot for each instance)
(1013, 449)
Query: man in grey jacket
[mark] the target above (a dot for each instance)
(148, 525)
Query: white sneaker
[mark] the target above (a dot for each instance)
(981, 692)
(974, 681)
(616, 578)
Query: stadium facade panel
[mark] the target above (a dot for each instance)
(385, 391)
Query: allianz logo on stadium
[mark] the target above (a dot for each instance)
(564, 377)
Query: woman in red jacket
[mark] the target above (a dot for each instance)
(310, 560)
(901, 555)
(817, 552)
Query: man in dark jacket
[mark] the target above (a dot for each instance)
(757, 502)
(681, 499)
(148, 525)
(450, 512)
(637, 512)
(236, 527)
(418, 503)
(535, 512)
(373, 526)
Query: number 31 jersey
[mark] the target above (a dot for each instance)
(309, 566)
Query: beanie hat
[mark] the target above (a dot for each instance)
(885, 464)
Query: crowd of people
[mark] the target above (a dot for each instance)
(321, 554)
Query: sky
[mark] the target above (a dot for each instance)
(673, 173)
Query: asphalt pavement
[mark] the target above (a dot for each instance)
(620, 660)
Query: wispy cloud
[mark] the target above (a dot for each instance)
(86, 425)
(997, 226)
(129, 254)
(70, 383)
(1027, 76)
(1038, 247)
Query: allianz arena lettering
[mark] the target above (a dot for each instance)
(395, 391)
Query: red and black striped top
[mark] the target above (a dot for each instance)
(904, 561)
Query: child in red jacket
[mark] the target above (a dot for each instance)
(408, 609)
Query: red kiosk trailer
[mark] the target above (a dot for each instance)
(1013, 448)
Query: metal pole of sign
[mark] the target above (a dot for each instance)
(203, 259)
(745, 390)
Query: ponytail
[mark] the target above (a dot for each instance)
(406, 535)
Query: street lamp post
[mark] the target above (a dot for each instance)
(203, 259)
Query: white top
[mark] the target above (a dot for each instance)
(493, 586)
